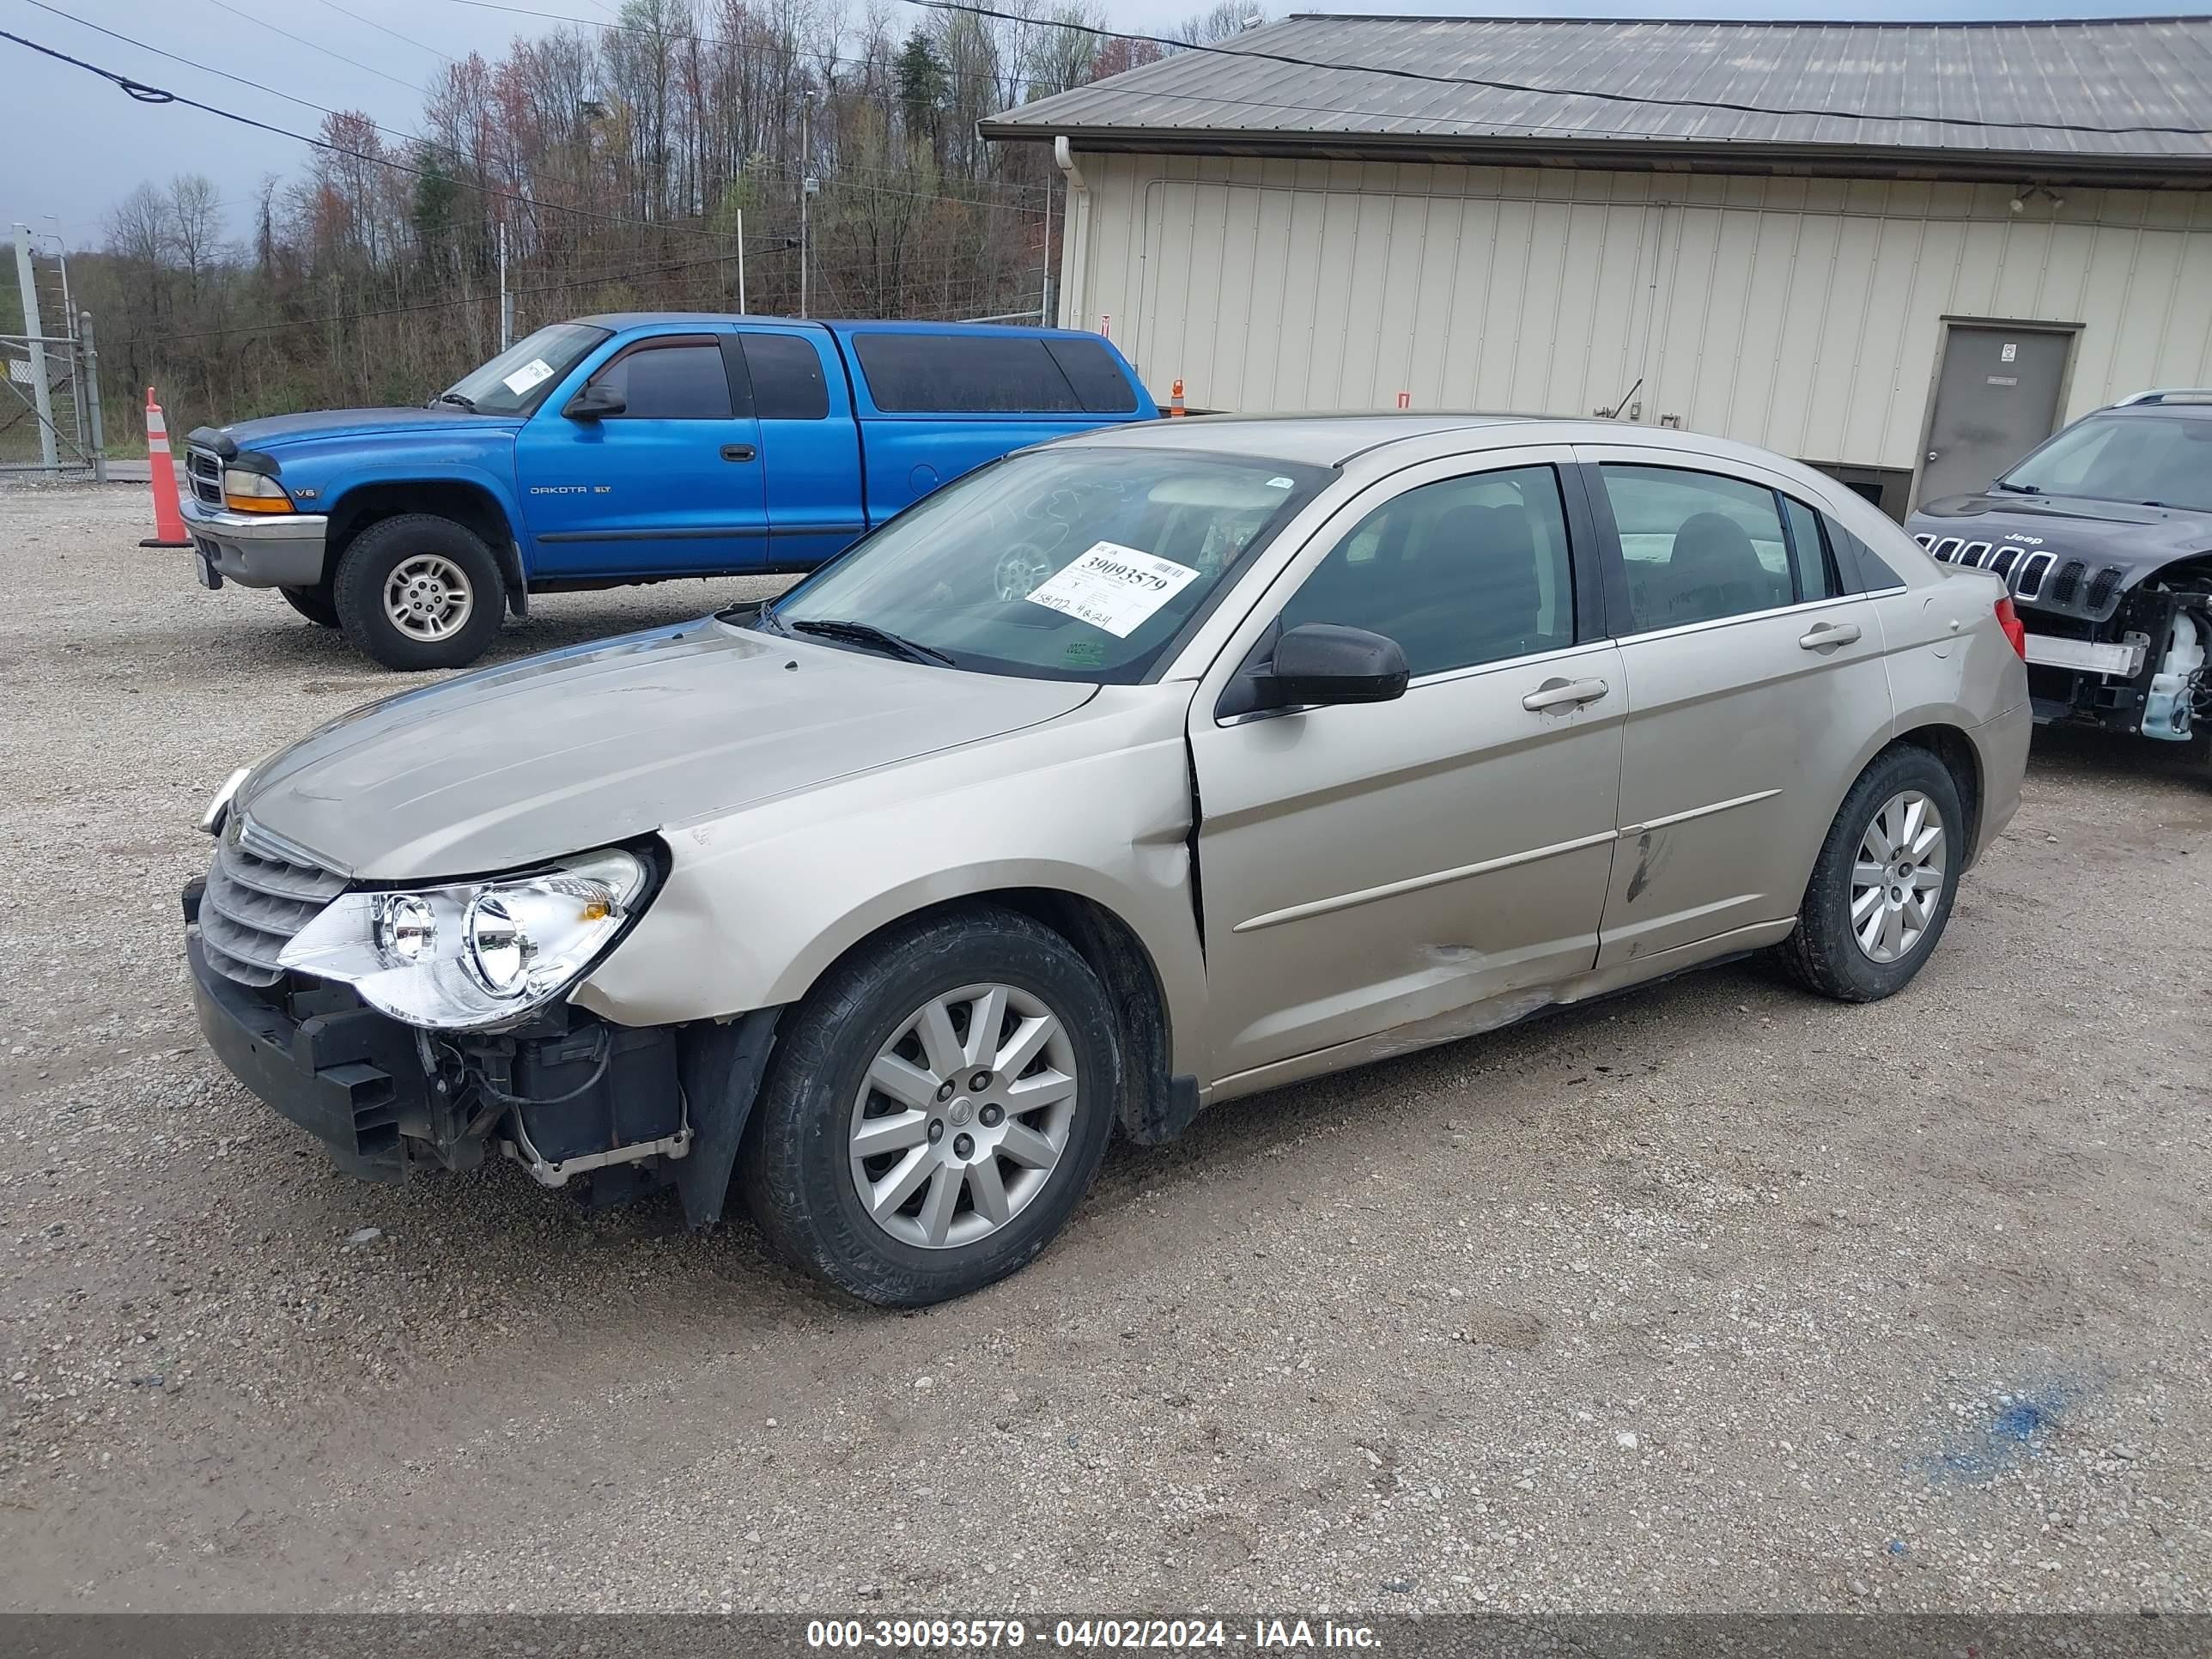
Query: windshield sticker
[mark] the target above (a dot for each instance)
(1115, 589)
(529, 375)
(1280, 483)
(1081, 653)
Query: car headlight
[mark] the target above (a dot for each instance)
(473, 954)
(252, 492)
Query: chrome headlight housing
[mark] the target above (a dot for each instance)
(473, 954)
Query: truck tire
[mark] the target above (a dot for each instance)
(965, 1184)
(315, 604)
(419, 592)
(1882, 888)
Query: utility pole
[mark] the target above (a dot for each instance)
(807, 187)
(506, 299)
(1044, 295)
(88, 376)
(27, 282)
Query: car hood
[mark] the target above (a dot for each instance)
(275, 432)
(2137, 540)
(601, 742)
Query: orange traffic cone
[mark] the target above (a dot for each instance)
(169, 516)
(1175, 401)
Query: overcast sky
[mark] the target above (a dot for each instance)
(70, 145)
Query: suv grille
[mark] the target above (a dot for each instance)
(2025, 571)
(258, 896)
(205, 472)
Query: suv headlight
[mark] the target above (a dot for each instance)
(474, 954)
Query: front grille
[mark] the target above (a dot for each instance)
(2069, 581)
(2024, 571)
(204, 470)
(2106, 583)
(258, 895)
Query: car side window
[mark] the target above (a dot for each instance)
(1812, 562)
(787, 376)
(1459, 572)
(1697, 546)
(670, 380)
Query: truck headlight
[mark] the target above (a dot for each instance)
(473, 954)
(252, 492)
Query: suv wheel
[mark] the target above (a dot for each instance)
(935, 1109)
(1882, 889)
(315, 604)
(419, 592)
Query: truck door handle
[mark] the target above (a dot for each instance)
(1563, 694)
(739, 451)
(1828, 633)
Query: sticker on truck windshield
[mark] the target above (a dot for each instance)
(529, 375)
(1115, 588)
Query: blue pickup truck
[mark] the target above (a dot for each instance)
(627, 448)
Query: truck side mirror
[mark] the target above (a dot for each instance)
(595, 402)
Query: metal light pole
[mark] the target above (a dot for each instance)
(506, 299)
(741, 262)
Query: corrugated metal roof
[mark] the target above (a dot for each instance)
(1903, 89)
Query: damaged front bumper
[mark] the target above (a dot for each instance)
(2141, 672)
(567, 1094)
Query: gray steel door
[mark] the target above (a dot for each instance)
(1997, 399)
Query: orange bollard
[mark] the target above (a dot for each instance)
(1175, 401)
(168, 515)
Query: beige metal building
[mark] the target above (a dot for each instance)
(1904, 253)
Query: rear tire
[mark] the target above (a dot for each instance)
(419, 592)
(1869, 921)
(315, 604)
(966, 1183)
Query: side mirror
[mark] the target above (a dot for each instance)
(1326, 663)
(594, 402)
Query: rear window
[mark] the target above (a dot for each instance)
(786, 375)
(984, 375)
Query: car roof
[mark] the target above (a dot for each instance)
(619, 320)
(1334, 440)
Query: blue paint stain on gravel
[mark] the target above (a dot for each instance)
(2019, 1427)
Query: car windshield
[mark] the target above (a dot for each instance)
(1064, 563)
(523, 375)
(2154, 459)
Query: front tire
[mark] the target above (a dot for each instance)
(315, 604)
(419, 592)
(1882, 889)
(936, 1109)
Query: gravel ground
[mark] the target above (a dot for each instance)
(1713, 1298)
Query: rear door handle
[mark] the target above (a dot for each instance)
(739, 451)
(1563, 694)
(1828, 633)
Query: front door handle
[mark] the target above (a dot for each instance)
(739, 451)
(1563, 694)
(1828, 633)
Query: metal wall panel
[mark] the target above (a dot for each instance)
(1803, 314)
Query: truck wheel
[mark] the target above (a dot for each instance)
(314, 604)
(419, 592)
(935, 1109)
(1882, 888)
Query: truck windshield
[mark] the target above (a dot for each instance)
(2164, 460)
(523, 375)
(1075, 563)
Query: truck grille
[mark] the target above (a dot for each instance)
(259, 895)
(2029, 573)
(205, 471)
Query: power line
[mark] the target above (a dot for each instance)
(408, 39)
(145, 92)
(367, 68)
(1495, 84)
(208, 68)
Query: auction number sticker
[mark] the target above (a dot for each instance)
(1113, 587)
(528, 375)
